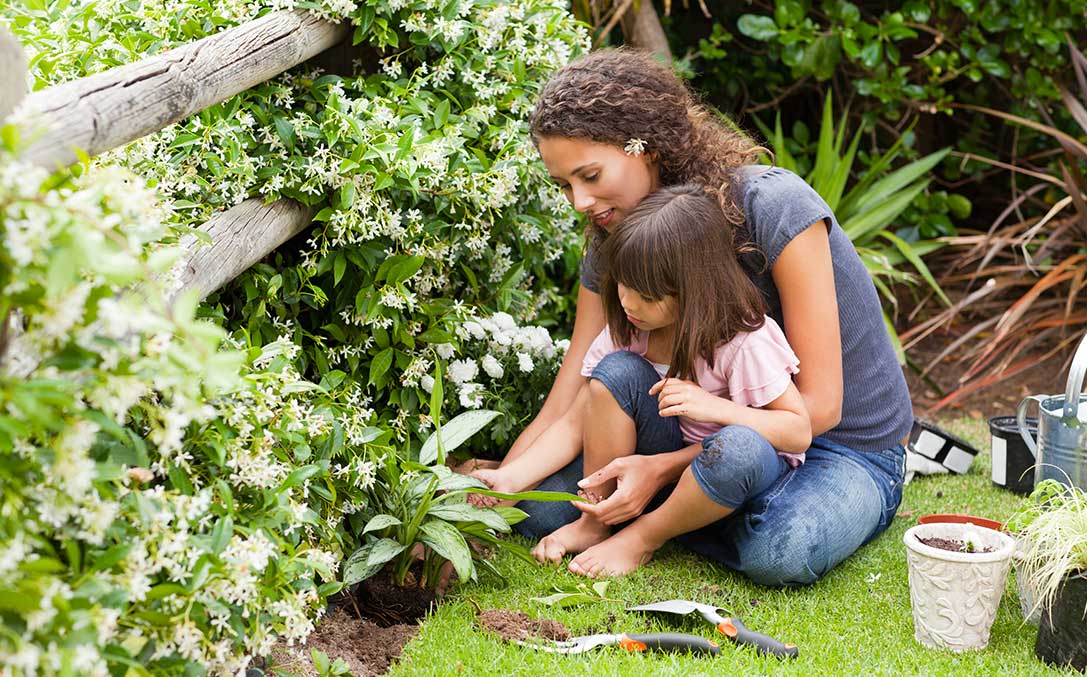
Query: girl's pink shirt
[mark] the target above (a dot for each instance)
(752, 370)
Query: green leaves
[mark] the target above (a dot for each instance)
(573, 595)
(369, 559)
(454, 433)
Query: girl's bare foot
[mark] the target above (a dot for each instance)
(583, 533)
(622, 553)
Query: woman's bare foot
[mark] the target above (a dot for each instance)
(624, 552)
(583, 533)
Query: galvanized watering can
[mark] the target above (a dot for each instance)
(1061, 449)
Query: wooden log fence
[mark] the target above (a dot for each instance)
(106, 110)
(109, 109)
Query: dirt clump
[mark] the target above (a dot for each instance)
(513, 625)
(367, 648)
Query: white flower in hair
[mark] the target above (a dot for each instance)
(635, 147)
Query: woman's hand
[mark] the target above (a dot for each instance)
(677, 397)
(637, 484)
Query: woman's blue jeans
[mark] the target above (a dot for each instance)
(791, 525)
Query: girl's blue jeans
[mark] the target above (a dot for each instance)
(791, 525)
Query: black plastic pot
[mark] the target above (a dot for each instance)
(1013, 464)
(1062, 635)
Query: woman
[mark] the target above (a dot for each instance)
(613, 127)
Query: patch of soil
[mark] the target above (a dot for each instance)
(998, 399)
(367, 648)
(386, 604)
(512, 625)
(949, 544)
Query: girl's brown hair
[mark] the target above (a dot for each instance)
(677, 242)
(615, 95)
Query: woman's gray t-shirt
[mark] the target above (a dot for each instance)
(779, 205)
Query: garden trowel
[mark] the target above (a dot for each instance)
(730, 627)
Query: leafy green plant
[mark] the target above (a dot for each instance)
(868, 211)
(573, 595)
(1052, 531)
(419, 504)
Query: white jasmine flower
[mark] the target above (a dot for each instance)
(471, 395)
(461, 371)
(525, 363)
(445, 350)
(426, 382)
(492, 366)
(635, 147)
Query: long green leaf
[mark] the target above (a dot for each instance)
(867, 222)
(462, 512)
(379, 522)
(907, 251)
(532, 495)
(836, 185)
(454, 433)
(826, 158)
(888, 186)
(444, 539)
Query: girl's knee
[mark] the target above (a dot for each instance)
(622, 366)
(734, 447)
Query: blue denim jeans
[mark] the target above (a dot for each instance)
(791, 525)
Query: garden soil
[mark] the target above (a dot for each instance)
(513, 625)
(948, 544)
(367, 648)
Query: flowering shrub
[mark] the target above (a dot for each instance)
(174, 494)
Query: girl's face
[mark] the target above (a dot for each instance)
(647, 314)
(600, 180)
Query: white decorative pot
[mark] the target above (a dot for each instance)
(955, 595)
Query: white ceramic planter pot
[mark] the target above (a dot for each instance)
(955, 595)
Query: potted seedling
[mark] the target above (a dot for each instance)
(1054, 563)
(956, 574)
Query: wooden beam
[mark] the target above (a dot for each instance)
(109, 109)
(241, 236)
(12, 73)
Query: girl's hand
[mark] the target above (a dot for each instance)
(636, 482)
(677, 397)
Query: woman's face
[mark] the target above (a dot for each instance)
(600, 180)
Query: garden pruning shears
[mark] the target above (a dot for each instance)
(634, 643)
(730, 627)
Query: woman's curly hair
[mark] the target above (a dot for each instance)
(615, 95)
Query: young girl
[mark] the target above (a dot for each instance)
(715, 376)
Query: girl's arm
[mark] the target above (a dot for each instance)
(804, 277)
(589, 321)
(784, 422)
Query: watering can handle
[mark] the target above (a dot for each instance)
(1021, 419)
(1075, 380)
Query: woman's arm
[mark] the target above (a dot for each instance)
(804, 277)
(550, 452)
(589, 321)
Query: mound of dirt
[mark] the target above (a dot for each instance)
(367, 648)
(511, 625)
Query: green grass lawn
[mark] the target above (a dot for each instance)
(855, 621)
